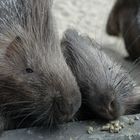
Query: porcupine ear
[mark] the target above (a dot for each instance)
(13, 47)
(112, 27)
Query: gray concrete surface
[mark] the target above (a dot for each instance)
(77, 131)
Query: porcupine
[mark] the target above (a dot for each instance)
(37, 88)
(124, 20)
(107, 89)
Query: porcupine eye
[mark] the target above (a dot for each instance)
(29, 70)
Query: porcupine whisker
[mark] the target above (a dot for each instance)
(40, 117)
(13, 103)
(20, 110)
(27, 116)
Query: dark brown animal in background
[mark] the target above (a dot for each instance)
(37, 88)
(124, 20)
(107, 89)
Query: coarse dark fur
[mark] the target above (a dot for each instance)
(107, 89)
(124, 19)
(37, 88)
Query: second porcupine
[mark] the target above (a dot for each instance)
(37, 87)
(107, 89)
(124, 19)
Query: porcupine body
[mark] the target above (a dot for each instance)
(37, 87)
(107, 89)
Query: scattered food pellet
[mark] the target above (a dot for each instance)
(136, 118)
(105, 127)
(113, 127)
(131, 121)
(116, 130)
(90, 130)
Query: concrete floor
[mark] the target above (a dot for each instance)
(78, 131)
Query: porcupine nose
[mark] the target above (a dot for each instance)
(64, 108)
(112, 109)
